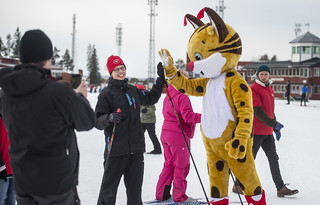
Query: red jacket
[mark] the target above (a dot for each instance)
(262, 97)
(4, 145)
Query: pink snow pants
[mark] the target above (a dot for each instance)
(176, 166)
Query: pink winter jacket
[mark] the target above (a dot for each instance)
(187, 117)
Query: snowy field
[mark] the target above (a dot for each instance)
(298, 150)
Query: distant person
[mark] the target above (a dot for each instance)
(41, 116)
(7, 192)
(119, 105)
(304, 94)
(176, 155)
(148, 122)
(264, 124)
(288, 89)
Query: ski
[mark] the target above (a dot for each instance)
(200, 201)
(158, 202)
(174, 203)
(171, 202)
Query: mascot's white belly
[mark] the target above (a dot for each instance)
(216, 111)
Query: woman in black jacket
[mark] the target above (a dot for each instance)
(126, 155)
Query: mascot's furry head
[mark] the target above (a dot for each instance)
(216, 38)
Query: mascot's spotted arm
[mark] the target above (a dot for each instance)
(214, 50)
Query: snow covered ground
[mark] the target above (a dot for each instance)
(298, 150)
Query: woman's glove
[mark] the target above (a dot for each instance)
(115, 117)
(277, 129)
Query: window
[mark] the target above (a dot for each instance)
(286, 72)
(298, 49)
(316, 71)
(316, 50)
(306, 72)
(282, 72)
(293, 50)
(293, 72)
(302, 72)
(290, 72)
(316, 89)
(298, 89)
(306, 49)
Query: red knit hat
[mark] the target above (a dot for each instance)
(114, 61)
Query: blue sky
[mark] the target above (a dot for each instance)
(265, 27)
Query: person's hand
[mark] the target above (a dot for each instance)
(167, 62)
(115, 117)
(3, 175)
(166, 58)
(237, 148)
(144, 110)
(82, 88)
(160, 72)
(277, 129)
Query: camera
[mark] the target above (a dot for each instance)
(71, 79)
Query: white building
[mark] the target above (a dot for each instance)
(305, 47)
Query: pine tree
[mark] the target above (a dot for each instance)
(15, 43)
(180, 64)
(93, 66)
(2, 48)
(89, 54)
(8, 46)
(274, 58)
(67, 62)
(56, 55)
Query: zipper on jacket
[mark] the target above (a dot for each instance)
(67, 151)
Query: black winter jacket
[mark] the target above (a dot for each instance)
(128, 137)
(40, 116)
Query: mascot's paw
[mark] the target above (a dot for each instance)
(237, 148)
(165, 57)
(167, 62)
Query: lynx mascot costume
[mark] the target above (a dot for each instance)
(214, 50)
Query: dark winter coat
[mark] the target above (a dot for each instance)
(128, 137)
(40, 116)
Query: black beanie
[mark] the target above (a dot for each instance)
(35, 46)
(263, 68)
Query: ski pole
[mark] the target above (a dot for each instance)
(107, 159)
(236, 184)
(185, 139)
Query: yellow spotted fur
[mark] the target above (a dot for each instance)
(205, 40)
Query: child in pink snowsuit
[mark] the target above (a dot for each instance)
(176, 155)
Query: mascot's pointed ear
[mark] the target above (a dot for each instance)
(218, 22)
(211, 30)
(196, 23)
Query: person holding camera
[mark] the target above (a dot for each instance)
(118, 114)
(41, 115)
